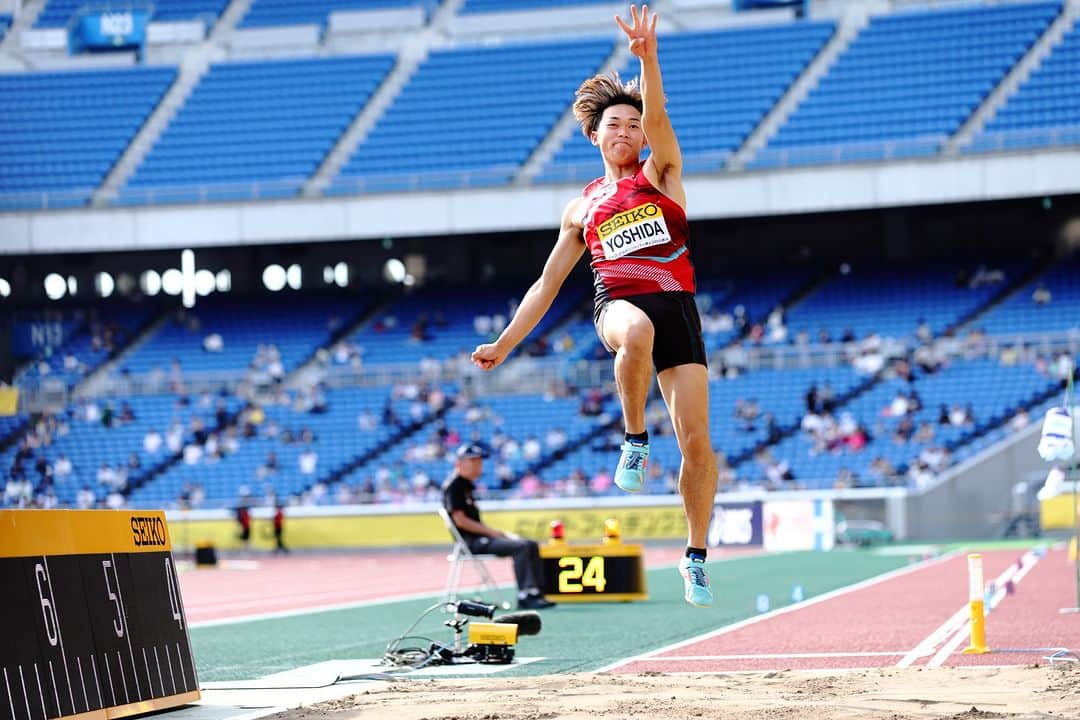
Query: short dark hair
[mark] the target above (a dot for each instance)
(600, 92)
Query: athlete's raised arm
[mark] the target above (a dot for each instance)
(664, 166)
(564, 255)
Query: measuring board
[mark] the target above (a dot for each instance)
(93, 621)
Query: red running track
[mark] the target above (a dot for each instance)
(881, 621)
(267, 585)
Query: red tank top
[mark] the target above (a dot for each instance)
(637, 238)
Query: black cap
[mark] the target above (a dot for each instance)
(471, 450)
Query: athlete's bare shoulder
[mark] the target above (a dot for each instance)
(574, 214)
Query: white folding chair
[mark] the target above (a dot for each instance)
(461, 556)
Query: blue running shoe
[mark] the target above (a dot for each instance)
(696, 582)
(630, 475)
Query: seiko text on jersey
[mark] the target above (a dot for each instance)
(632, 230)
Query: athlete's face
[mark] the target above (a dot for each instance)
(619, 135)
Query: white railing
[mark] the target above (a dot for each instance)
(1023, 138)
(523, 375)
(872, 150)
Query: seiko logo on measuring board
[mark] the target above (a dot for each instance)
(148, 531)
(632, 230)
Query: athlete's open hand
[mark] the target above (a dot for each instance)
(488, 356)
(642, 34)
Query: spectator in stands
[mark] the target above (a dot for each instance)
(959, 416)
(213, 343)
(882, 471)
(923, 332)
(152, 441)
(127, 415)
(307, 461)
(62, 468)
(649, 325)
(1020, 420)
(459, 499)
(1041, 295)
(85, 498)
(925, 433)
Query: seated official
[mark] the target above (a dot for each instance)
(460, 503)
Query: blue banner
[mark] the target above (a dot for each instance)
(30, 339)
(100, 30)
(736, 524)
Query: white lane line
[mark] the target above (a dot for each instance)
(931, 642)
(183, 673)
(839, 592)
(41, 693)
(1028, 561)
(97, 682)
(11, 700)
(26, 696)
(771, 656)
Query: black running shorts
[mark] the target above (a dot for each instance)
(676, 324)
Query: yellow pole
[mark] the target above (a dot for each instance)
(975, 604)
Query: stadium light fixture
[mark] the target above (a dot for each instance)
(55, 287)
(341, 274)
(72, 285)
(104, 284)
(172, 281)
(5, 288)
(223, 281)
(394, 271)
(274, 277)
(295, 277)
(204, 282)
(150, 282)
(187, 277)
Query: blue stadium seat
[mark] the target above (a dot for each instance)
(720, 84)
(889, 300)
(57, 13)
(906, 83)
(255, 129)
(470, 117)
(265, 13)
(483, 6)
(46, 151)
(1045, 110)
(1019, 314)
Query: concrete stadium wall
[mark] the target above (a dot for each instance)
(976, 500)
(811, 189)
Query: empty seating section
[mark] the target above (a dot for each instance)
(256, 122)
(471, 117)
(243, 329)
(61, 132)
(443, 324)
(1019, 314)
(89, 444)
(335, 442)
(57, 13)
(483, 6)
(518, 417)
(91, 342)
(993, 393)
(889, 301)
(720, 84)
(907, 82)
(1046, 107)
(753, 296)
(777, 391)
(265, 13)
